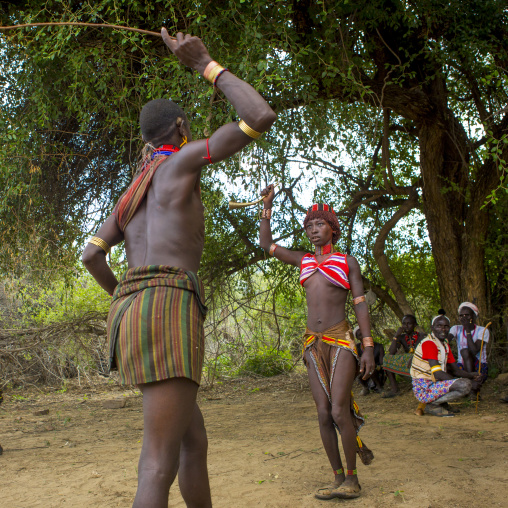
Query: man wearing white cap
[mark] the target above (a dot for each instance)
(437, 379)
(469, 337)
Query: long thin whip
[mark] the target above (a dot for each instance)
(76, 23)
(480, 363)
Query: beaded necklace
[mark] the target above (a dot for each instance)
(472, 333)
(324, 250)
(411, 341)
(165, 150)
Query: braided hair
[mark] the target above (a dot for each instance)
(325, 212)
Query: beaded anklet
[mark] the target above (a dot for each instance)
(338, 471)
(352, 472)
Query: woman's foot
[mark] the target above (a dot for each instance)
(329, 492)
(350, 489)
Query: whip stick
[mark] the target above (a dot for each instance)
(480, 363)
(75, 23)
(234, 204)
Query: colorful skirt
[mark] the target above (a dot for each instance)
(322, 350)
(398, 364)
(428, 391)
(155, 325)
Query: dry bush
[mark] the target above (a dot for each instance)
(48, 355)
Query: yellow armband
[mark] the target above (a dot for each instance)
(249, 130)
(100, 243)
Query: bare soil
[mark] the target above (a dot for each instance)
(265, 449)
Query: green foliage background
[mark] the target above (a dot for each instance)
(72, 96)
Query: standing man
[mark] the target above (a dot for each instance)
(155, 324)
(435, 372)
(469, 337)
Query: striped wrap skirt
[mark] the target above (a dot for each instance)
(155, 325)
(321, 351)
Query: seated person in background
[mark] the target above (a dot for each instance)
(432, 384)
(469, 337)
(400, 354)
(377, 379)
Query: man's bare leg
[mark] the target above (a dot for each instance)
(193, 472)
(460, 388)
(365, 386)
(377, 381)
(394, 387)
(469, 359)
(168, 409)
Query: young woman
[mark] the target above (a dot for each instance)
(329, 350)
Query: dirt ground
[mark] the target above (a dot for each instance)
(265, 449)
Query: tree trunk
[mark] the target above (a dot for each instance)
(453, 205)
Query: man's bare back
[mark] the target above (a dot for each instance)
(169, 227)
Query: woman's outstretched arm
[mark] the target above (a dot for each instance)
(290, 257)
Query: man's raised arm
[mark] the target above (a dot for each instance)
(255, 113)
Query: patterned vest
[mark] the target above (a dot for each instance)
(420, 368)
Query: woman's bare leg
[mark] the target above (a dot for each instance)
(326, 427)
(342, 382)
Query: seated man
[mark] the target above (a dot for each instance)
(432, 384)
(375, 381)
(401, 351)
(469, 337)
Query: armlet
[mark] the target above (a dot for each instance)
(100, 243)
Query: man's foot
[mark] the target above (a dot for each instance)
(377, 389)
(420, 410)
(329, 491)
(365, 391)
(435, 410)
(450, 408)
(390, 394)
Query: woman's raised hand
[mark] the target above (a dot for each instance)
(269, 193)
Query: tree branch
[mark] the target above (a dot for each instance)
(382, 260)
